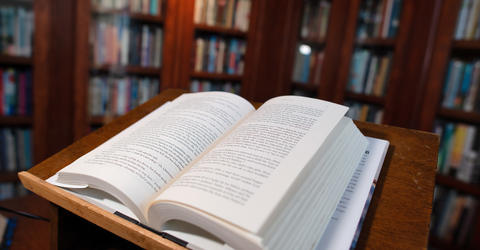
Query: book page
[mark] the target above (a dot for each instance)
(139, 161)
(346, 219)
(245, 176)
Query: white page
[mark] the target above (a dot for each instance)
(139, 161)
(344, 222)
(245, 176)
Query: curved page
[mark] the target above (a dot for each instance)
(135, 164)
(247, 174)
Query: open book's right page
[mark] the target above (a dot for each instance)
(246, 175)
(346, 219)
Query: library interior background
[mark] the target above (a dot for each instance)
(68, 67)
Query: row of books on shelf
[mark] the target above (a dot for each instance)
(11, 190)
(224, 13)
(379, 18)
(369, 72)
(308, 65)
(149, 7)
(461, 89)
(15, 149)
(458, 153)
(364, 112)
(468, 27)
(15, 92)
(453, 216)
(16, 31)
(116, 96)
(315, 19)
(117, 41)
(208, 85)
(215, 54)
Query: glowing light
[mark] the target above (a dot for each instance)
(305, 49)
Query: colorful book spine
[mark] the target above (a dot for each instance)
(116, 96)
(15, 150)
(379, 18)
(218, 55)
(15, 92)
(147, 7)
(364, 112)
(207, 85)
(369, 72)
(461, 87)
(117, 41)
(223, 13)
(16, 31)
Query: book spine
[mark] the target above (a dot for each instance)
(2, 93)
(210, 12)
(387, 18)
(461, 20)
(452, 84)
(22, 95)
(221, 56)
(371, 75)
(395, 19)
(212, 49)
(144, 49)
(472, 93)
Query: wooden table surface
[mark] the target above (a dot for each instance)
(398, 217)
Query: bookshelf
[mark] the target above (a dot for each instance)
(332, 81)
(374, 53)
(448, 110)
(16, 95)
(316, 25)
(120, 60)
(217, 40)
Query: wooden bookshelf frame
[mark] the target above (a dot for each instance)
(15, 60)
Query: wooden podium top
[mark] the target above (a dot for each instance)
(398, 216)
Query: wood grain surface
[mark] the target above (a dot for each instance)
(398, 217)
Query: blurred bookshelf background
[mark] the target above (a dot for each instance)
(68, 67)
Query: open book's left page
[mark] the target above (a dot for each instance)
(135, 164)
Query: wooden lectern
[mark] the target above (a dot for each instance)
(398, 217)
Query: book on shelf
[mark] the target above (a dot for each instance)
(117, 96)
(212, 161)
(461, 87)
(467, 27)
(458, 157)
(378, 19)
(364, 112)
(369, 72)
(215, 54)
(148, 7)
(15, 92)
(453, 216)
(223, 13)
(207, 85)
(16, 31)
(116, 40)
(15, 149)
(315, 20)
(308, 65)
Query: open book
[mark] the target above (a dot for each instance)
(270, 178)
